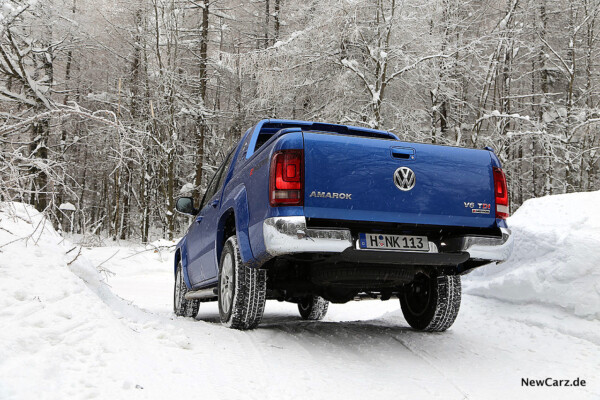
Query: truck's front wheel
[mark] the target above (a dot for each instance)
(313, 308)
(431, 303)
(242, 290)
(181, 306)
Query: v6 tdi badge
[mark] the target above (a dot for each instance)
(478, 208)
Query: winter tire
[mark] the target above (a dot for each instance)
(242, 290)
(313, 308)
(181, 306)
(431, 303)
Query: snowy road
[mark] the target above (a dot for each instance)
(360, 349)
(68, 334)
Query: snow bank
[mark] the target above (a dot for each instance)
(62, 329)
(556, 259)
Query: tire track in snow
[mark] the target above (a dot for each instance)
(432, 365)
(360, 344)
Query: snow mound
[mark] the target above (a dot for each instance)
(556, 258)
(63, 330)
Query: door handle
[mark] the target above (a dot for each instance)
(199, 218)
(406, 153)
(214, 203)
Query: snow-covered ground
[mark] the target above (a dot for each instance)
(68, 331)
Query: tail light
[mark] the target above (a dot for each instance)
(501, 193)
(286, 183)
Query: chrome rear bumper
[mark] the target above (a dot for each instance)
(289, 235)
(488, 248)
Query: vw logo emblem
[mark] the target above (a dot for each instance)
(404, 178)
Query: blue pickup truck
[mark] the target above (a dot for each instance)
(312, 213)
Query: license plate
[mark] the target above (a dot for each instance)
(393, 242)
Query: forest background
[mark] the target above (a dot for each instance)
(110, 109)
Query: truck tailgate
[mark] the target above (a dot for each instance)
(352, 178)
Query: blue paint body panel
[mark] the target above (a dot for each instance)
(338, 159)
(446, 178)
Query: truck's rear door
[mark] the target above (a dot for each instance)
(370, 179)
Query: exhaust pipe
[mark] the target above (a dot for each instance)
(202, 294)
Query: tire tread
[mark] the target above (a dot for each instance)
(187, 308)
(250, 292)
(443, 311)
(448, 303)
(317, 309)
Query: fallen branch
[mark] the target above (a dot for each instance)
(99, 265)
(78, 253)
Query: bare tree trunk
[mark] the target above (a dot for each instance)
(544, 86)
(114, 226)
(145, 201)
(276, 22)
(201, 122)
(267, 19)
(590, 134)
(533, 140)
(126, 205)
(63, 136)
(82, 197)
(569, 170)
(39, 149)
(170, 194)
(41, 133)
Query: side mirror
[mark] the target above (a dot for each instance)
(185, 205)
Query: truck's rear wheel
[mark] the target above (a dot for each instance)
(313, 308)
(181, 306)
(242, 290)
(431, 303)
